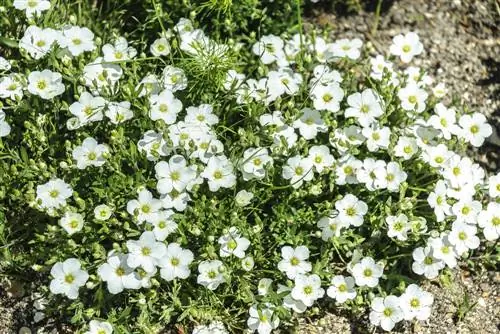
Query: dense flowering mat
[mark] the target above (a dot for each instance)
(228, 187)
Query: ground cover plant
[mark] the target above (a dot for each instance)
(158, 173)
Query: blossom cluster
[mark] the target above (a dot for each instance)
(300, 183)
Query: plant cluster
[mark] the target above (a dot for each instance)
(228, 186)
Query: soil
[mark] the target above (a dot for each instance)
(463, 50)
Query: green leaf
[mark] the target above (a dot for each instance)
(8, 42)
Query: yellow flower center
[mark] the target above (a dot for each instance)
(69, 278)
(42, 84)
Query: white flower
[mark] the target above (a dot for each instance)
(307, 289)
(494, 186)
(458, 171)
(349, 48)
(215, 327)
(264, 286)
(371, 171)
(32, 7)
(219, 173)
(416, 76)
(320, 157)
(90, 153)
(210, 274)
(443, 250)
(436, 156)
(377, 137)
(202, 115)
(331, 226)
(489, 220)
(341, 288)
(68, 277)
(118, 51)
(145, 252)
(475, 129)
(145, 207)
(165, 106)
(444, 120)
(233, 80)
(284, 134)
(347, 169)
(289, 302)
(175, 263)
(437, 201)
(406, 46)
(101, 76)
(175, 200)
(386, 312)
(174, 79)
(4, 64)
(46, 84)
(379, 64)
(119, 112)
(425, 263)
(88, 108)
(38, 42)
(154, 145)
(207, 146)
(294, 261)
(160, 47)
(466, 211)
(416, 303)
(463, 237)
(391, 177)
(11, 87)
(284, 81)
(243, 198)
(254, 162)
(327, 97)
(398, 227)
(310, 123)
(248, 263)
(102, 212)
(99, 327)
(233, 244)
(405, 148)
(364, 106)
(269, 48)
(323, 75)
(298, 170)
(174, 174)
(262, 320)
(163, 224)
(4, 126)
(440, 90)
(72, 222)
(77, 39)
(53, 194)
(367, 272)
(413, 98)
(351, 210)
(118, 274)
(149, 85)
